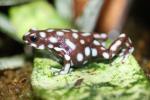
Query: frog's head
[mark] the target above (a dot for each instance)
(35, 38)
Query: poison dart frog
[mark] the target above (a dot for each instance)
(77, 48)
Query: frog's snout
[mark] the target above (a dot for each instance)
(23, 38)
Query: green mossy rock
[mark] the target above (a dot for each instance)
(96, 81)
(39, 14)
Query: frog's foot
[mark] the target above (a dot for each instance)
(65, 69)
(125, 53)
(55, 71)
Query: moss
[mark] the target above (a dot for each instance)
(94, 81)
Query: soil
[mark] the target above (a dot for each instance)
(15, 83)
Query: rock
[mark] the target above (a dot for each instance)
(94, 81)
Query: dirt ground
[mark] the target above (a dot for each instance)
(15, 84)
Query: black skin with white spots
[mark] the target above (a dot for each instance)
(77, 48)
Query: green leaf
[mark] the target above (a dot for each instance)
(13, 2)
(40, 15)
(6, 26)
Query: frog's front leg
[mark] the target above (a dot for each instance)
(66, 65)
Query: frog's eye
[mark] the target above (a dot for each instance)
(33, 38)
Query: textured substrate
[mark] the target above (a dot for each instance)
(96, 81)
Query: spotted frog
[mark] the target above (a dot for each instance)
(77, 48)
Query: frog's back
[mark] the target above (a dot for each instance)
(71, 36)
(72, 42)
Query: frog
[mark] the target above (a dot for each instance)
(78, 48)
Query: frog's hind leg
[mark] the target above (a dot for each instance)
(66, 65)
(122, 46)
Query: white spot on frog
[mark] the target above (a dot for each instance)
(82, 41)
(75, 35)
(86, 34)
(95, 42)
(105, 55)
(87, 51)
(94, 52)
(59, 33)
(74, 30)
(70, 44)
(42, 34)
(67, 57)
(41, 46)
(79, 57)
(50, 30)
(53, 39)
(50, 46)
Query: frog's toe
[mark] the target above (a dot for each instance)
(63, 72)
